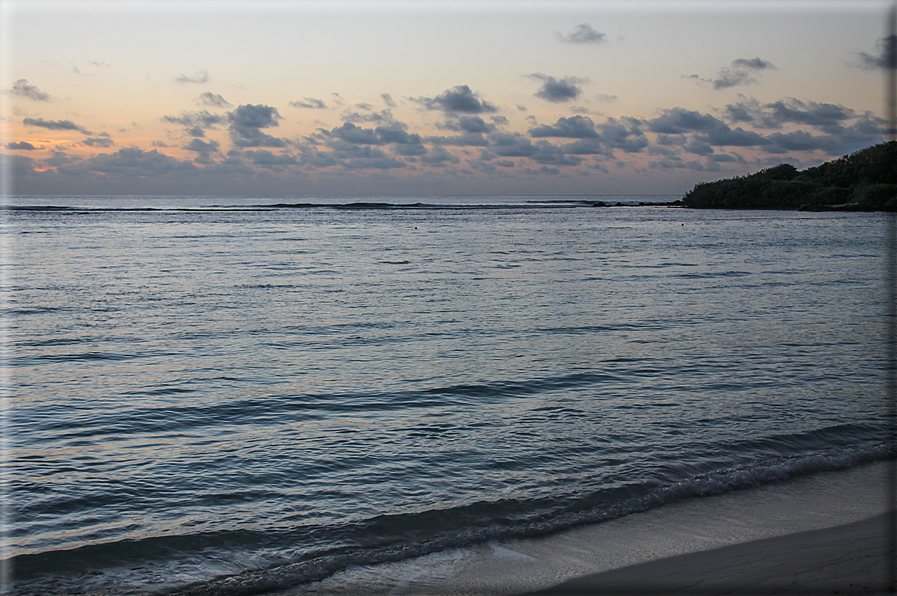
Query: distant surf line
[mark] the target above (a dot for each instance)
(354, 206)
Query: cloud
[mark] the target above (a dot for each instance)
(546, 153)
(60, 159)
(791, 111)
(606, 98)
(732, 78)
(624, 133)
(662, 150)
(21, 167)
(794, 141)
(396, 135)
(439, 156)
(201, 77)
(150, 172)
(271, 160)
(54, 124)
(723, 136)
(409, 149)
(677, 163)
(745, 110)
(355, 157)
(317, 159)
(726, 157)
(510, 145)
(738, 74)
(94, 63)
(350, 133)
(842, 129)
(543, 152)
(22, 146)
(557, 90)
(575, 127)
(468, 124)
(384, 116)
(375, 163)
(698, 80)
(462, 140)
(812, 113)
(196, 123)
(709, 130)
(254, 116)
(753, 64)
(201, 146)
(212, 99)
(543, 170)
(310, 103)
(98, 142)
(382, 135)
(388, 100)
(885, 57)
(458, 100)
(246, 123)
(587, 147)
(699, 147)
(680, 120)
(131, 162)
(583, 33)
(838, 140)
(22, 88)
(355, 147)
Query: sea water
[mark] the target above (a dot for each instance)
(211, 396)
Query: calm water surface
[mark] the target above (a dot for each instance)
(239, 400)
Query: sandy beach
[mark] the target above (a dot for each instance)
(847, 559)
(826, 534)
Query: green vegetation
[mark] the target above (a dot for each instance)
(862, 181)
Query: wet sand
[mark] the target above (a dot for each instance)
(825, 534)
(848, 559)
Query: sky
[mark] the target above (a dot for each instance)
(420, 98)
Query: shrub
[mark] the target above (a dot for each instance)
(874, 196)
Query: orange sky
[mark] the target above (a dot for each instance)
(404, 98)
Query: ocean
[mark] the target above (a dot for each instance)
(239, 396)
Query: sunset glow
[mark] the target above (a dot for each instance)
(404, 98)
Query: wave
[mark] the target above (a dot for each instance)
(397, 537)
(351, 206)
(502, 520)
(90, 355)
(294, 408)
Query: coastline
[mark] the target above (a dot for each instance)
(721, 534)
(846, 559)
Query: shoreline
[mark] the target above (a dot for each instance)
(846, 559)
(576, 561)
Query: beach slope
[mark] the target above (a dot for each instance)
(847, 559)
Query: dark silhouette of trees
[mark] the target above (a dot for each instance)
(862, 181)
